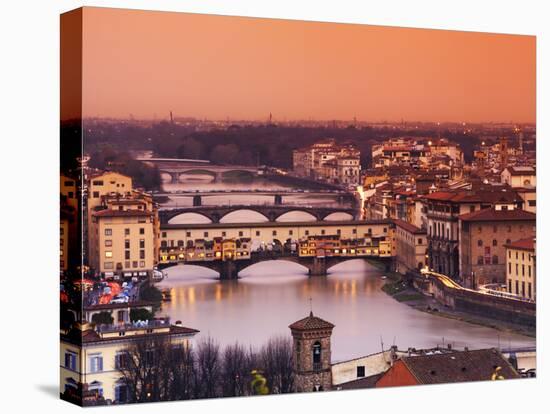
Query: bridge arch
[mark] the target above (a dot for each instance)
(278, 259)
(291, 216)
(198, 171)
(338, 216)
(191, 218)
(259, 215)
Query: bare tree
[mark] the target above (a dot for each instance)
(181, 373)
(142, 368)
(236, 368)
(276, 361)
(208, 369)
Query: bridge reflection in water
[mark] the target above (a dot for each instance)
(267, 296)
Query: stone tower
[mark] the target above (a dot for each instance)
(311, 354)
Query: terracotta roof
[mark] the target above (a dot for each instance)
(487, 196)
(366, 382)
(411, 228)
(478, 365)
(121, 213)
(490, 214)
(310, 323)
(90, 336)
(522, 244)
(518, 171)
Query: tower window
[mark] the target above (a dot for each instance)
(317, 355)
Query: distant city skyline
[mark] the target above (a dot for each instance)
(145, 64)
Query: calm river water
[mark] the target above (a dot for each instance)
(271, 295)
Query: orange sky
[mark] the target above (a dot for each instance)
(148, 63)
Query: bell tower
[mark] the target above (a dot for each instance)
(311, 354)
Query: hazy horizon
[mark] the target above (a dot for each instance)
(147, 63)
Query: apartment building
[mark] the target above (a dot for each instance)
(443, 209)
(411, 247)
(483, 238)
(92, 356)
(521, 269)
(326, 160)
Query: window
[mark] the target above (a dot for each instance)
(108, 232)
(529, 293)
(509, 285)
(108, 243)
(317, 356)
(508, 241)
(307, 232)
(134, 263)
(509, 268)
(126, 244)
(338, 231)
(532, 203)
(205, 234)
(290, 232)
(188, 234)
(141, 230)
(142, 263)
(96, 363)
(529, 270)
(323, 231)
(121, 360)
(257, 232)
(472, 209)
(523, 270)
(224, 234)
(274, 233)
(495, 259)
(142, 243)
(97, 182)
(163, 244)
(108, 254)
(95, 194)
(121, 393)
(479, 260)
(494, 242)
(70, 360)
(108, 265)
(354, 231)
(127, 255)
(360, 371)
(241, 234)
(419, 241)
(163, 234)
(517, 287)
(480, 242)
(126, 232)
(142, 254)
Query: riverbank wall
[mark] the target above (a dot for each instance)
(468, 301)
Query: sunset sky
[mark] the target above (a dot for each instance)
(148, 63)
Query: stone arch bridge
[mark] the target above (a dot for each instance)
(271, 212)
(316, 266)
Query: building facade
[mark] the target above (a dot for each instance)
(483, 238)
(411, 247)
(521, 269)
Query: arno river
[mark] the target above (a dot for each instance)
(271, 295)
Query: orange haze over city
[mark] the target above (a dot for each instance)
(145, 64)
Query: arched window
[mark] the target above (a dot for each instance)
(317, 355)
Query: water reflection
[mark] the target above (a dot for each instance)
(271, 295)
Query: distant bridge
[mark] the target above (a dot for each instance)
(271, 212)
(175, 167)
(316, 266)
